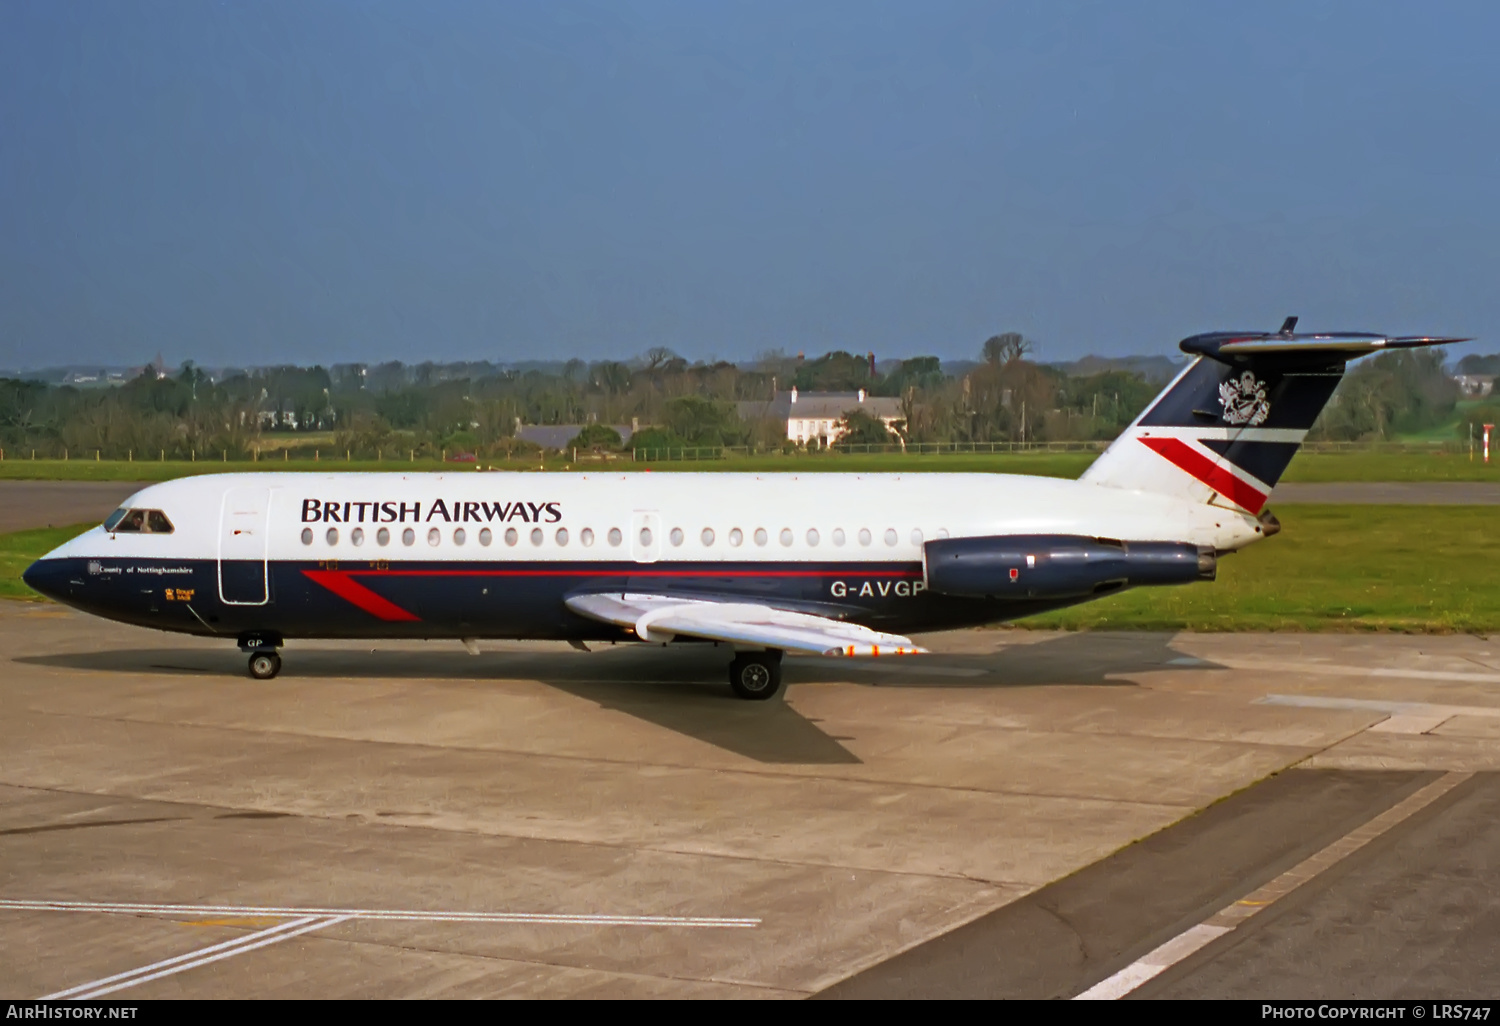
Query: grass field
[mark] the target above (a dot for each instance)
(1366, 465)
(1426, 569)
(1333, 568)
(20, 549)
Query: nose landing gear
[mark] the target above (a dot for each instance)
(264, 665)
(756, 676)
(265, 661)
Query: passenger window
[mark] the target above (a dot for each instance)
(459, 537)
(357, 536)
(838, 536)
(307, 536)
(786, 536)
(890, 536)
(408, 537)
(707, 537)
(434, 536)
(562, 536)
(586, 536)
(536, 536)
(332, 536)
(511, 537)
(615, 537)
(383, 536)
(485, 537)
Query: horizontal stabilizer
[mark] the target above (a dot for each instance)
(1338, 348)
(660, 618)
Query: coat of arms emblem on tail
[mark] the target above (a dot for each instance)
(1244, 400)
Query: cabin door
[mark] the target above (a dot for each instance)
(243, 537)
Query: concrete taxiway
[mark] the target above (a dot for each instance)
(413, 821)
(29, 504)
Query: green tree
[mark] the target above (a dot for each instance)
(703, 421)
(1390, 394)
(860, 428)
(596, 437)
(834, 372)
(1001, 349)
(657, 438)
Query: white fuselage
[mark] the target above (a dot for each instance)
(778, 517)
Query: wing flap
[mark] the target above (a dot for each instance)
(661, 618)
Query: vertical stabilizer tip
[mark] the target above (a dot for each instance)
(1288, 326)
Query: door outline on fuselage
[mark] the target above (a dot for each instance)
(244, 537)
(645, 520)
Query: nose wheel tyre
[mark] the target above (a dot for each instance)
(264, 665)
(756, 675)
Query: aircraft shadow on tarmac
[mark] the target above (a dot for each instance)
(684, 690)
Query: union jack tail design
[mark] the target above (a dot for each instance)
(1225, 429)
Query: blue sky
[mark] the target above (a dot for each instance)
(251, 183)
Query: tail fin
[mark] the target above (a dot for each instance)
(1225, 429)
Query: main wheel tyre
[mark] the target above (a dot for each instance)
(756, 675)
(264, 665)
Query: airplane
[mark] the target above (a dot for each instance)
(765, 564)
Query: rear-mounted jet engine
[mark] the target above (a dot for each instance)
(1058, 566)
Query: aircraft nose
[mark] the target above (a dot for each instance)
(47, 577)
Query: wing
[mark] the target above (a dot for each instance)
(660, 618)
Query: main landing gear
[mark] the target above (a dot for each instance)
(265, 661)
(756, 675)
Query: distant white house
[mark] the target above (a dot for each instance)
(815, 416)
(1474, 386)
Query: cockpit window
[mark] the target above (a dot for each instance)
(133, 522)
(139, 521)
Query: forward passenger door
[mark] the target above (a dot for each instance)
(244, 523)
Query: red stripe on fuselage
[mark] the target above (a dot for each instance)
(342, 583)
(638, 571)
(1215, 475)
(339, 582)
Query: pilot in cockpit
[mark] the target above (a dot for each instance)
(138, 521)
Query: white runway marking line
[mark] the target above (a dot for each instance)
(191, 960)
(1404, 717)
(1342, 670)
(408, 915)
(307, 920)
(1226, 919)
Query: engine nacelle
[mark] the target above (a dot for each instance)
(1060, 566)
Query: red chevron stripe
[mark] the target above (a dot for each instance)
(338, 582)
(1214, 474)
